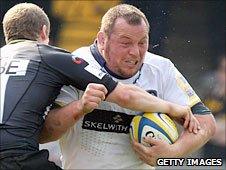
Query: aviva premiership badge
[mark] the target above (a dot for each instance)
(189, 92)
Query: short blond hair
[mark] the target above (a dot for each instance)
(24, 21)
(131, 14)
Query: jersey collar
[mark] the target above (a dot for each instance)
(17, 41)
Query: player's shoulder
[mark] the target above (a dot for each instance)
(5, 50)
(49, 49)
(82, 52)
(51, 54)
(85, 54)
(156, 61)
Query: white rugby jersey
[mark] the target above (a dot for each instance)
(100, 140)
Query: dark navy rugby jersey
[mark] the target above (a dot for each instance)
(32, 75)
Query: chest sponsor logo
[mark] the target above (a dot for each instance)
(107, 121)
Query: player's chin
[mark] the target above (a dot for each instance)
(129, 75)
(129, 72)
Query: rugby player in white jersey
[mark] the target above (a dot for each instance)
(100, 139)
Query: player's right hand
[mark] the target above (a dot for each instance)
(93, 95)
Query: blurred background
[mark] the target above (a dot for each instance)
(190, 33)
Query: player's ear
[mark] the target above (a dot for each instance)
(101, 39)
(44, 38)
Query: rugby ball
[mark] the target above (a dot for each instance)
(155, 125)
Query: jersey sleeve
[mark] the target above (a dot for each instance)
(74, 70)
(177, 89)
(67, 95)
(200, 109)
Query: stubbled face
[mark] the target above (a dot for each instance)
(124, 50)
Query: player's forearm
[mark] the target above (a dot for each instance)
(134, 98)
(59, 121)
(190, 142)
(148, 103)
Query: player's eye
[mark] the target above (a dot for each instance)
(125, 44)
(142, 43)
